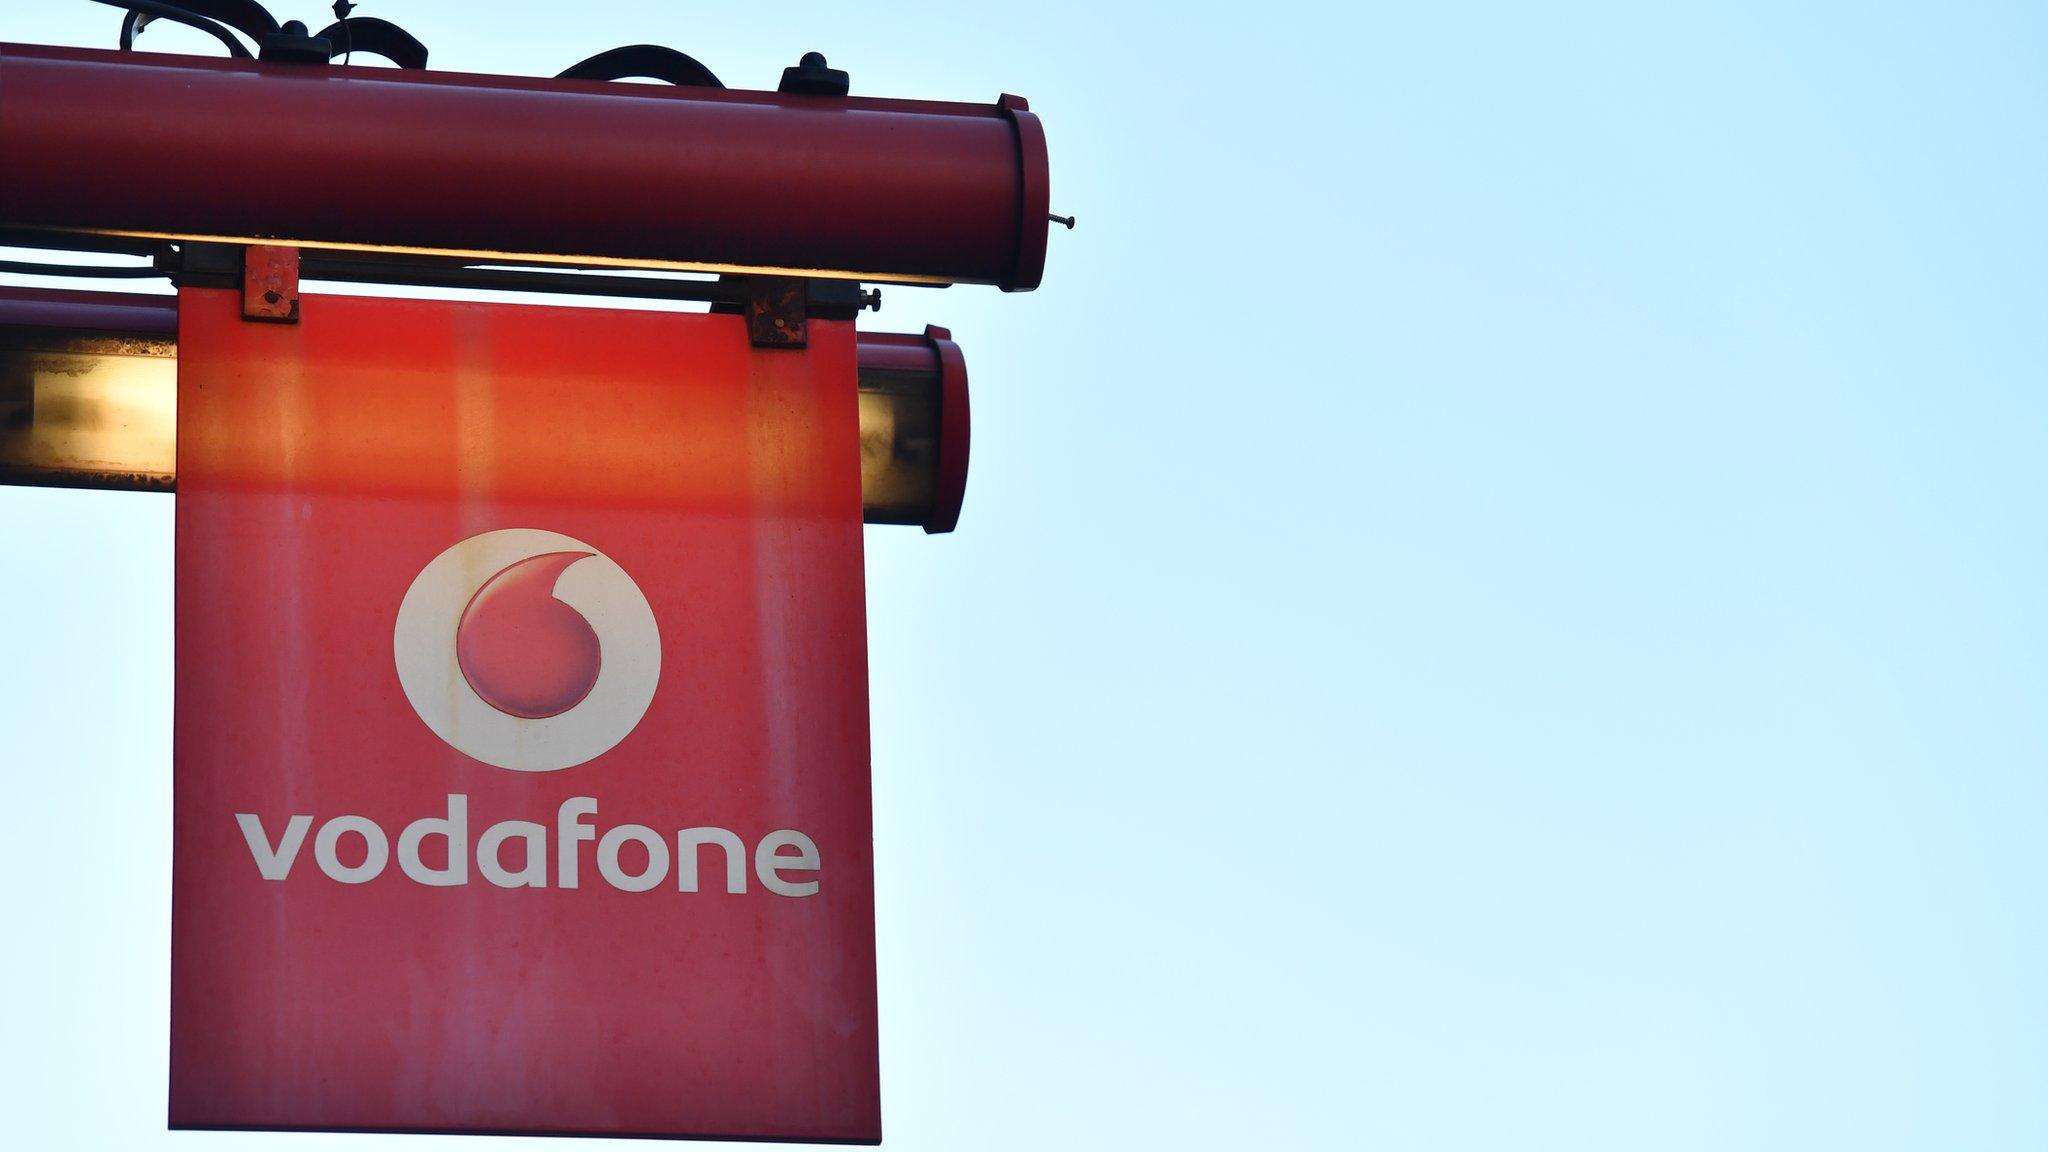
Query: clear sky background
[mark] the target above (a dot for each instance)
(1499, 605)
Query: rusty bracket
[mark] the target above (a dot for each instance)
(776, 309)
(270, 283)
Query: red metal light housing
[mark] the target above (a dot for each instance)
(921, 382)
(509, 168)
(88, 399)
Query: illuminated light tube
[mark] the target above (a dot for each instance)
(89, 399)
(511, 168)
(913, 428)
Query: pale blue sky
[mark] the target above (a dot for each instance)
(1499, 603)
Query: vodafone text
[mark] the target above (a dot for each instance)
(274, 858)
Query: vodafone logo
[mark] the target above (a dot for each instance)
(532, 651)
(527, 649)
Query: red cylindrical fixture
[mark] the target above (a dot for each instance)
(142, 144)
(912, 396)
(932, 367)
(145, 315)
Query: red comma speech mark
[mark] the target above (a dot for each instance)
(524, 652)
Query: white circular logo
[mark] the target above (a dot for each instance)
(526, 649)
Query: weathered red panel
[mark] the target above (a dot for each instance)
(327, 470)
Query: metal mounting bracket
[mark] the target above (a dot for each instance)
(779, 308)
(776, 313)
(270, 283)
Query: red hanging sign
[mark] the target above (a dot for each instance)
(521, 730)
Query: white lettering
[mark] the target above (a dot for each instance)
(779, 859)
(569, 833)
(454, 829)
(689, 840)
(376, 850)
(768, 861)
(273, 863)
(533, 874)
(608, 858)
